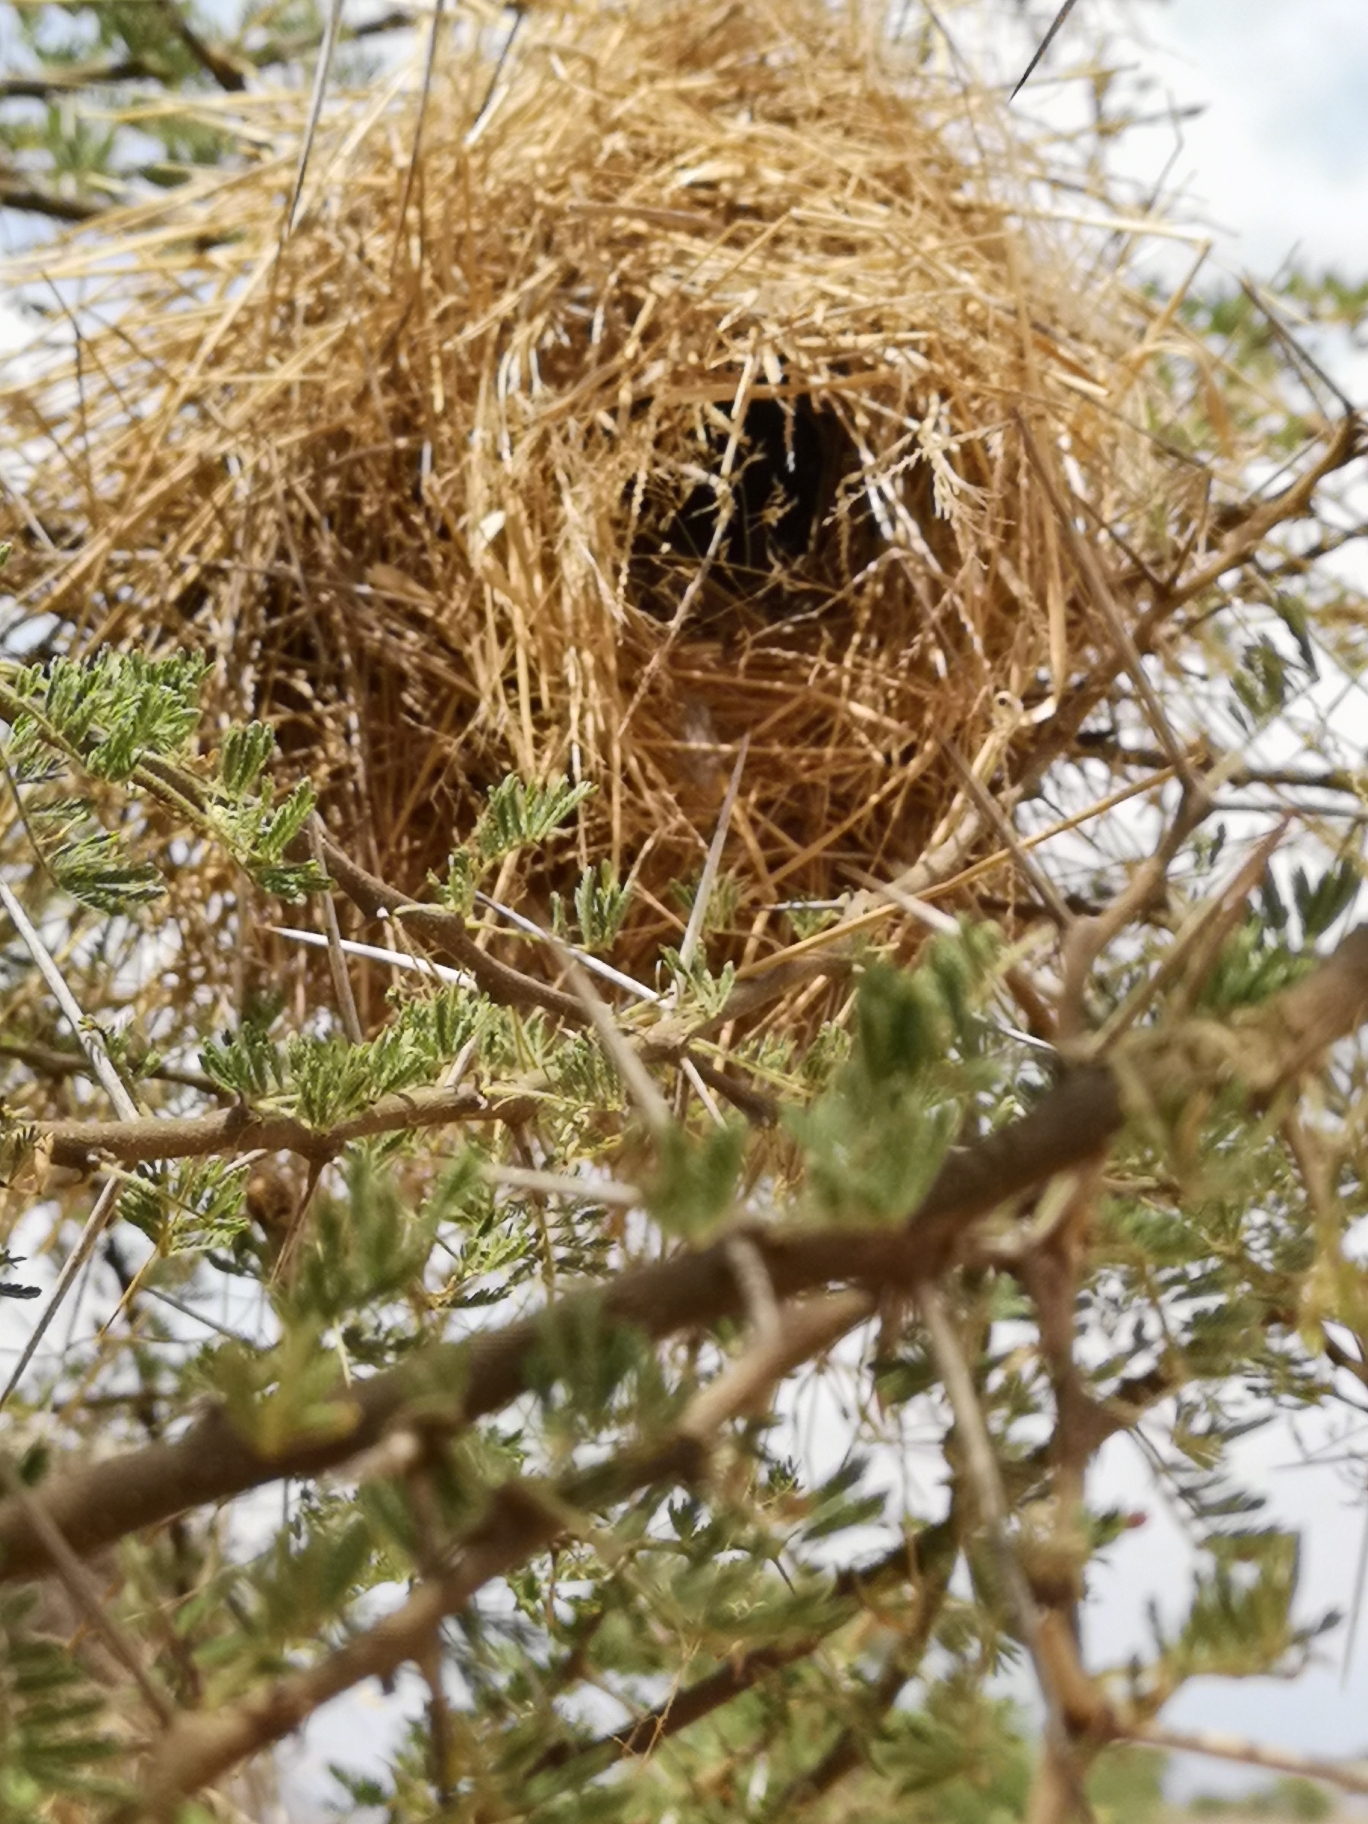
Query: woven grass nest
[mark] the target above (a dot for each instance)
(683, 410)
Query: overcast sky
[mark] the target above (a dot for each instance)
(1279, 159)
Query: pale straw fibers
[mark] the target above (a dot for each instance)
(438, 498)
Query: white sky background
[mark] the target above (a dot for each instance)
(1277, 165)
(1280, 157)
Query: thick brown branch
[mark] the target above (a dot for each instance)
(82, 1145)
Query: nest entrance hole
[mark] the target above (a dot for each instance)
(783, 496)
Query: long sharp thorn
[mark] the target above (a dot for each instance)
(1043, 46)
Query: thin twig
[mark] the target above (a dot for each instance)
(982, 1467)
(1088, 937)
(429, 64)
(803, 1329)
(375, 898)
(1349, 1776)
(1194, 946)
(741, 1672)
(96, 1224)
(342, 988)
(226, 70)
(693, 931)
(636, 1079)
(53, 1061)
(561, 1184)
(320, 86)
(199, 1317)
(505, 50)
(701, 1090)
(757, 1288)
(994, 815)
(87, 1035)
(1104, 602)
(587, 960)
(83, 1592)
(397, 959)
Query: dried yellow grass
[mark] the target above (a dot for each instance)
(409, 484)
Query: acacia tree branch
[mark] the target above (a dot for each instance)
(522, 1519)
(918, 1560)
(442, 928)
(54, 81)
(1339, 1357)
(299, 44)
(99, 1219)
(1089, 937)
(982, 1469)
(86, 1034)
(82, 1145)
(1061, 732)
(187, 797)
(1294, 502)
(95, 1504)
(84, 1594)
(227, 70)
(1349, 1776)
(57, 1062)
(227, 64)
(27, 199)
(1104, 602)
(1098, 745)
(851, 1747)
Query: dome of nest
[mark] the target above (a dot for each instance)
(716, 388)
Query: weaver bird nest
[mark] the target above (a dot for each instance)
(710, 376)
